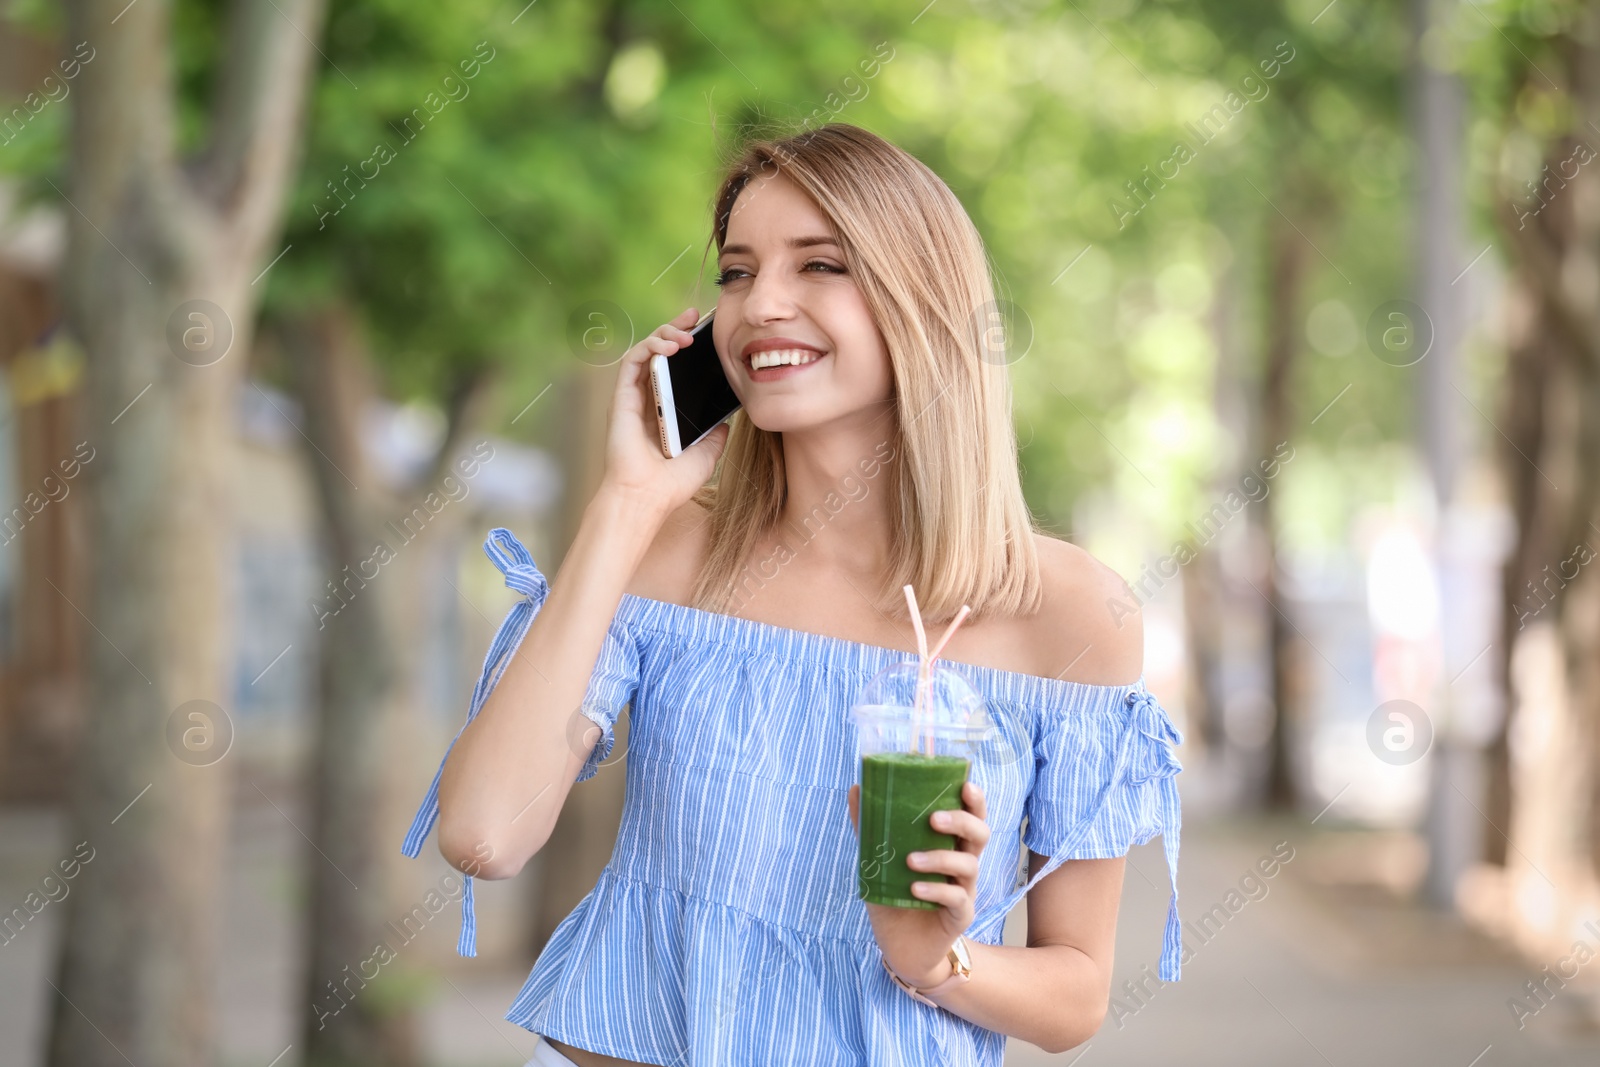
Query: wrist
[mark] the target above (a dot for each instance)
(621, 507)
(930, 978)
(930, 988)
(613, 537)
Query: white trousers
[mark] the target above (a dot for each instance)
(545, 1055)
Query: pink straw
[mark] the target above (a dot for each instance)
(922, 665)
(916, 623)
(966, 609)
(925, 662)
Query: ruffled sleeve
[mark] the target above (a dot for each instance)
(611, 686)
(1102, 784)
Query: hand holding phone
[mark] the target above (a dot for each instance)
(692, 392)
(635, 459)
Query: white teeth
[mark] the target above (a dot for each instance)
(779, 357)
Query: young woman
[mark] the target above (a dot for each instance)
(739, 620)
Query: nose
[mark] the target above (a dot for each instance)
(769, 298)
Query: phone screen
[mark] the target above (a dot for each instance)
(701, 394)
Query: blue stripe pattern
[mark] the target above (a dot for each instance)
(726, 927)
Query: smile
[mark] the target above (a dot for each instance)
(783, 357)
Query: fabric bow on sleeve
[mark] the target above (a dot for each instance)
(1145, 758)
(523, 576)
(1155, 759)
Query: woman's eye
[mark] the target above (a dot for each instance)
(733, 274)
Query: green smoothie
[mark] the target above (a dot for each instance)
(899, 792)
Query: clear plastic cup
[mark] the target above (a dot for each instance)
(911, 765)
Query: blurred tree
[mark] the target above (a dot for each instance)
(1536, 70)
(364, 643)
(1272, 100)
(1285, 259)
(1306, 202)
(158, 217)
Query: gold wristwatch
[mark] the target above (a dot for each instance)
(960, 969)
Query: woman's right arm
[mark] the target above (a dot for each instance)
(507, 777)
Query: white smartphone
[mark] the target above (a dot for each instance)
(692, 392)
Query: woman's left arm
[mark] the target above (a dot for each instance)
(1052, 993)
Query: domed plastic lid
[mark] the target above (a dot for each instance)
(951, 717)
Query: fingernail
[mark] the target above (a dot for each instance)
(915, 857)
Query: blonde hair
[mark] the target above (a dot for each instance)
(960, 528)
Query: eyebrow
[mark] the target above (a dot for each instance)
(793, 242)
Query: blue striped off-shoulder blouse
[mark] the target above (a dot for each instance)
(725, 930)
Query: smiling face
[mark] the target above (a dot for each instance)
(788, 299)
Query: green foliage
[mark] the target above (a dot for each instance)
(1132, 296)
(472, 174)
(571, 159)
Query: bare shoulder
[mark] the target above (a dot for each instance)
(1088, 628)
(668, 568)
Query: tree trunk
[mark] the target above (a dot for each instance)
(1552, 462)
(1206, 601)
(1580, 619)
(134, 974)
(1203, 609)
(1531, 361)
(346, 1023)
(1286, 259)
(366, 528)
